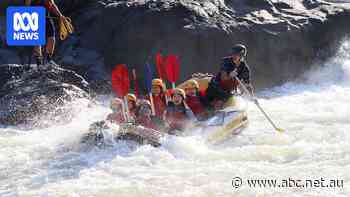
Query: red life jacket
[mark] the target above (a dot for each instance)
(176, 117)
(159, 105)
(195, 105)
(116, 118)
(132, 113)
(229, 85)
(202, 93)
(146, 122)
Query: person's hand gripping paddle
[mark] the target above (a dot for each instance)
(148, 81)
(256, 102)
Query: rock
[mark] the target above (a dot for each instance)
(284, 37)
(27, 95)
(9, 57)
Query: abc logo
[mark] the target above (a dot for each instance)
(26, 26)
(32, 21)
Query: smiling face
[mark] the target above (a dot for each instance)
(177, 99)
(131, 105)
(156, 90)
(191, 91)
(145, 110)
(236, 58)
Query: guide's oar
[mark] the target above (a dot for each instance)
(148, 81)
(258, 105)
(172, 69)
(121, 86)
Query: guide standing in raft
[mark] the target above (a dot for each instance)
(222, 86)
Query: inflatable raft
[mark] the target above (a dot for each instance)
(223, 125)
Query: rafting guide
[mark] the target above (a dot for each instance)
(26, 26)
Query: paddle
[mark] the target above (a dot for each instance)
(259, 106)
(160, 66)
(148, 81)
(121, 85)
(172, 66)
(136, 88)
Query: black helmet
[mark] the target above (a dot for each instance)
(239, 49)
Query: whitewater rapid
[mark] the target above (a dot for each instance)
(315, 111)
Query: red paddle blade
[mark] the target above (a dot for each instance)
(160, 66)
(120, 80)
(172, 68)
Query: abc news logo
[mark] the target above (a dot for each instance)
(29, 29)
(26, 26)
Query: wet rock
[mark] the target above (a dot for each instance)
(283, 37)
(26, 94)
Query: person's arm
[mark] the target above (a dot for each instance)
(245, 77)
(53, 7)
(189, 113)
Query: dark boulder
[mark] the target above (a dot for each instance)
(25, 95)
(284, 37)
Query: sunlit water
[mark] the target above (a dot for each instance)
(314, 111)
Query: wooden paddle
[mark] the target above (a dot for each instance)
(256, 102)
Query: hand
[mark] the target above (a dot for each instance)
(185, 104)
(62, 17)
(233, 74)
(253, 99)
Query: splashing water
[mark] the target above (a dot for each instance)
(314, 111)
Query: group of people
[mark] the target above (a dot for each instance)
(167, 112)
(174, 109)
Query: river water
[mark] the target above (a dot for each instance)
(314, 149)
